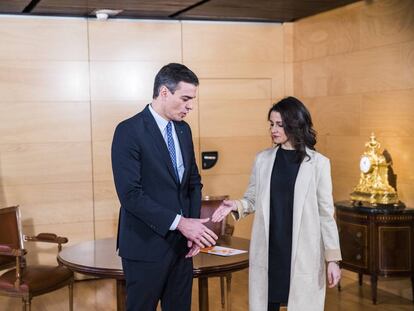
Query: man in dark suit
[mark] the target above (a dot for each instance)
(159, 187)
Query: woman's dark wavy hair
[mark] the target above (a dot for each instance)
(297, 123)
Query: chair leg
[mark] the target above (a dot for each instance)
(222, 292)
(26, 304)
(70, 297)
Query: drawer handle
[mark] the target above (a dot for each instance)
(359, 234)
(358, 257)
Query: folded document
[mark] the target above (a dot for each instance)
(222, 251)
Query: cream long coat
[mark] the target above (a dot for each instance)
(314, 235)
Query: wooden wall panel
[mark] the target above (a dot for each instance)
(211, 42)
(51, 203)
(213, 51)
(331, 33)
(34, 122)
(106, 201)
(288, 54)
(372, 70)
(321, 143)
(102, 169)
(45, 163)
(401, 150)
(129, 40)
(106, 228)
(63, 39)
(236, 153)
(123, 80)
(249, 118)
(386, 22)
(244, 89)
(288, 51)
(288, 79)
(343, 112)
(245, 70)
(44, 81)
(233, 185)
(388, 114)
(310, 78)
(405, 192)
(106, 115)
(234, 107)
(344, 153)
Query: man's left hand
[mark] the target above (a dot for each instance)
(194, 249)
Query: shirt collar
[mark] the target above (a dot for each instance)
(161, 122)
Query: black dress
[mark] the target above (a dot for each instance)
(282, 186)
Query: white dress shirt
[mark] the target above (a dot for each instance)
(162, 125)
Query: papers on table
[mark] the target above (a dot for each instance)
(222, 251)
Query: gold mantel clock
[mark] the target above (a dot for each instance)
(373, 186)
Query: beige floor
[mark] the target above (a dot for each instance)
(100, 295)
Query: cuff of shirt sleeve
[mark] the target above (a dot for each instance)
(175, 222)
(237, 215)
(333, 255)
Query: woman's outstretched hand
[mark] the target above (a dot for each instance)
(334, 274)
(223, 210)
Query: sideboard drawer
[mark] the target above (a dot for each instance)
(354, 244)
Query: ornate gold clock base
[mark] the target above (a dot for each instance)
(375, 198)
(367, 205)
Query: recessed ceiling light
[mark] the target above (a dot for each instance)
(103, 14)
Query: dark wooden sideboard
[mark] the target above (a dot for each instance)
(376, 241)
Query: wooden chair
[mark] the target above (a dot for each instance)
(208, 205)
(26, 281)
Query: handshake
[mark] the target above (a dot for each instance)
(197, 234)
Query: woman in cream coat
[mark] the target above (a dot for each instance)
(313, 241)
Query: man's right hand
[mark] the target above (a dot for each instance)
(194, 230)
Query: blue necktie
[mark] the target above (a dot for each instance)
(171, 149)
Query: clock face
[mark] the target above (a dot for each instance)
(365, 164)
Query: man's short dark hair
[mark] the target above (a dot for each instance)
(172, 74)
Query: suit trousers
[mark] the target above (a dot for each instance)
(170, 280)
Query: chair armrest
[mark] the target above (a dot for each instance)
(47, 237)
(6, 250)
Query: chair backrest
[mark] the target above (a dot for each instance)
(10, 233)
(208, 205)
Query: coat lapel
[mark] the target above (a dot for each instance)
(266, 172)
(301, 188)
(159, 141)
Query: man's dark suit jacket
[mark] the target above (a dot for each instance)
(148, 190)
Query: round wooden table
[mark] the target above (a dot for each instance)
(99, 258)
